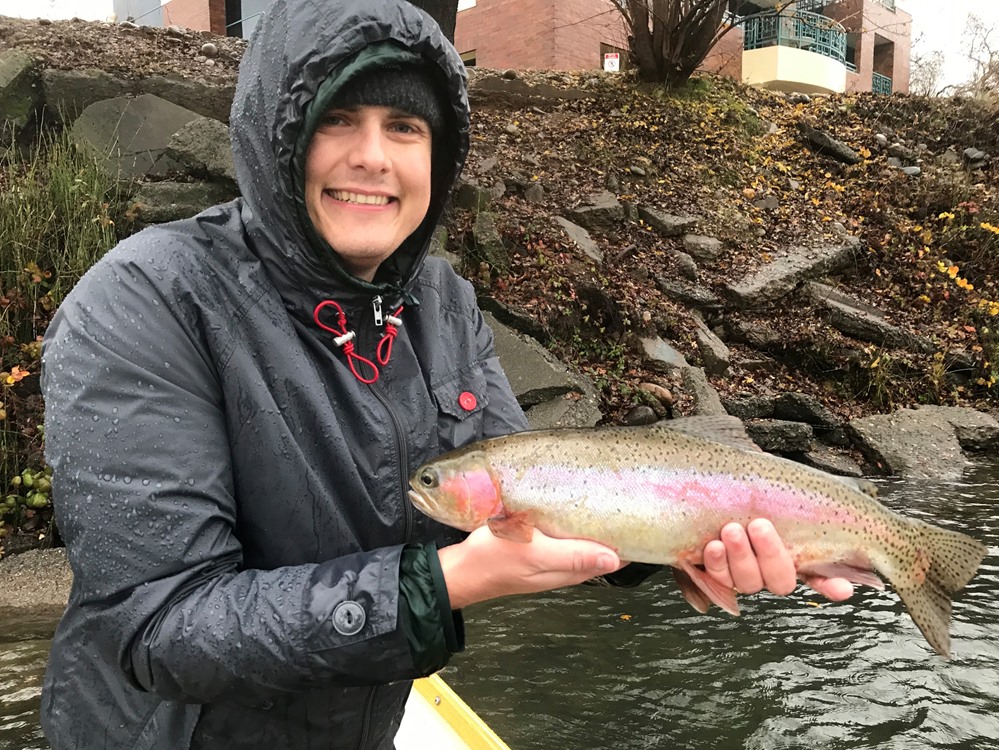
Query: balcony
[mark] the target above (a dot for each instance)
(794, 50)
(881, 84)
(796, 28)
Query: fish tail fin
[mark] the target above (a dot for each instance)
(943, 563)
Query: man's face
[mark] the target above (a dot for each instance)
(367, 182)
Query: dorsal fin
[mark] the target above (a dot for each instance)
(865, 486)
(722, 428)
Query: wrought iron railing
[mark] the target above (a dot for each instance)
(796, 28)
(818, 5)
(881, 84)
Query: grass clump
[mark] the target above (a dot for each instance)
(57, 218)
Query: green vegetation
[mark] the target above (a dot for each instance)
(56, 219)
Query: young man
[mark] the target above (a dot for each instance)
(235, 403)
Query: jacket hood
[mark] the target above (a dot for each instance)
(299, 47)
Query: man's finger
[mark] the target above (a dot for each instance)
(716, 563)
(742, 563)
(775, 563)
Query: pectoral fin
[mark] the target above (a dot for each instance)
(516, 527)
(706, 586)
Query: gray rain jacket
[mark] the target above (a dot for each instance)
(233, 499)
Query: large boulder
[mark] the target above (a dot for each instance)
(132, 134)
(19, 93)
(925, 442)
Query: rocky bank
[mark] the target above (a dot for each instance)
(642, 254)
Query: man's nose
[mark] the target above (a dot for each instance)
(368, 151)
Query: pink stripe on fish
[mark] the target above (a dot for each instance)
(682, 490)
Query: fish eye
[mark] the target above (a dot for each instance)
(429, 479)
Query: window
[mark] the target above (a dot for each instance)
(468, 58)
(465, 4)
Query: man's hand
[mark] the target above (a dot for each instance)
(752, 558)
(484, 566)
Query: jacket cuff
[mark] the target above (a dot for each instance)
(454, 623)
(425, 617)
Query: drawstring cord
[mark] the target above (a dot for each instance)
(344, 338)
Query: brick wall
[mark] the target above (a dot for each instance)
(884, 41)
(189, 14)
(725, 57)
(539, 34)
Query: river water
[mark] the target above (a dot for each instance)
(605, 668)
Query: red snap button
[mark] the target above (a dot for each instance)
(467, 401)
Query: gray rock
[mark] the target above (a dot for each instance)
(825, 459)
(912, 171)
(689, 294)
(705, 397)
(470, 196)
(487, 165)
(714, 353)
(903, 153)
(160, 202)
(581, 238)
(637, 170)
(489, 243)
(824, 143)
(202, 146)
(603, 211)
(757, 335)
(661, 356)
(975, 157)
(19, 92)
(912, 443)
(894, 162)
(862, 322)
(640, 415)
(750, 407)
(535, 376)
(69, 92)
(781, 436)
(774, 280)
(949, 158)
(705, 249)
(882, 140)
(132, 135)
(210, 100)
(567, 411)
(800, 407)
(534, 193)
(209, 49)
(667, 225)
(684, 264)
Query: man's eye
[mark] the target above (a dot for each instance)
(331, 118)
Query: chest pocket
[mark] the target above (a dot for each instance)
(461, 402)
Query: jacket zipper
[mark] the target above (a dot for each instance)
(397, 432)
(369, 706)
(407, 509)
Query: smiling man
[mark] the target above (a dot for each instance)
(235, 402)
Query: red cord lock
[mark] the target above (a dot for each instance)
(467, 401)
(344, 339)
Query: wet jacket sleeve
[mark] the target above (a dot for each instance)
(144, 497)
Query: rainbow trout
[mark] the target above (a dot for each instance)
(659, 494)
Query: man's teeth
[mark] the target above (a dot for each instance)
(369, 200)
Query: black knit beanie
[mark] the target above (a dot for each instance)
(409, 89)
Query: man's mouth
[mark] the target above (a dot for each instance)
(359, 198)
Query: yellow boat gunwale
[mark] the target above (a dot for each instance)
(457, 714)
